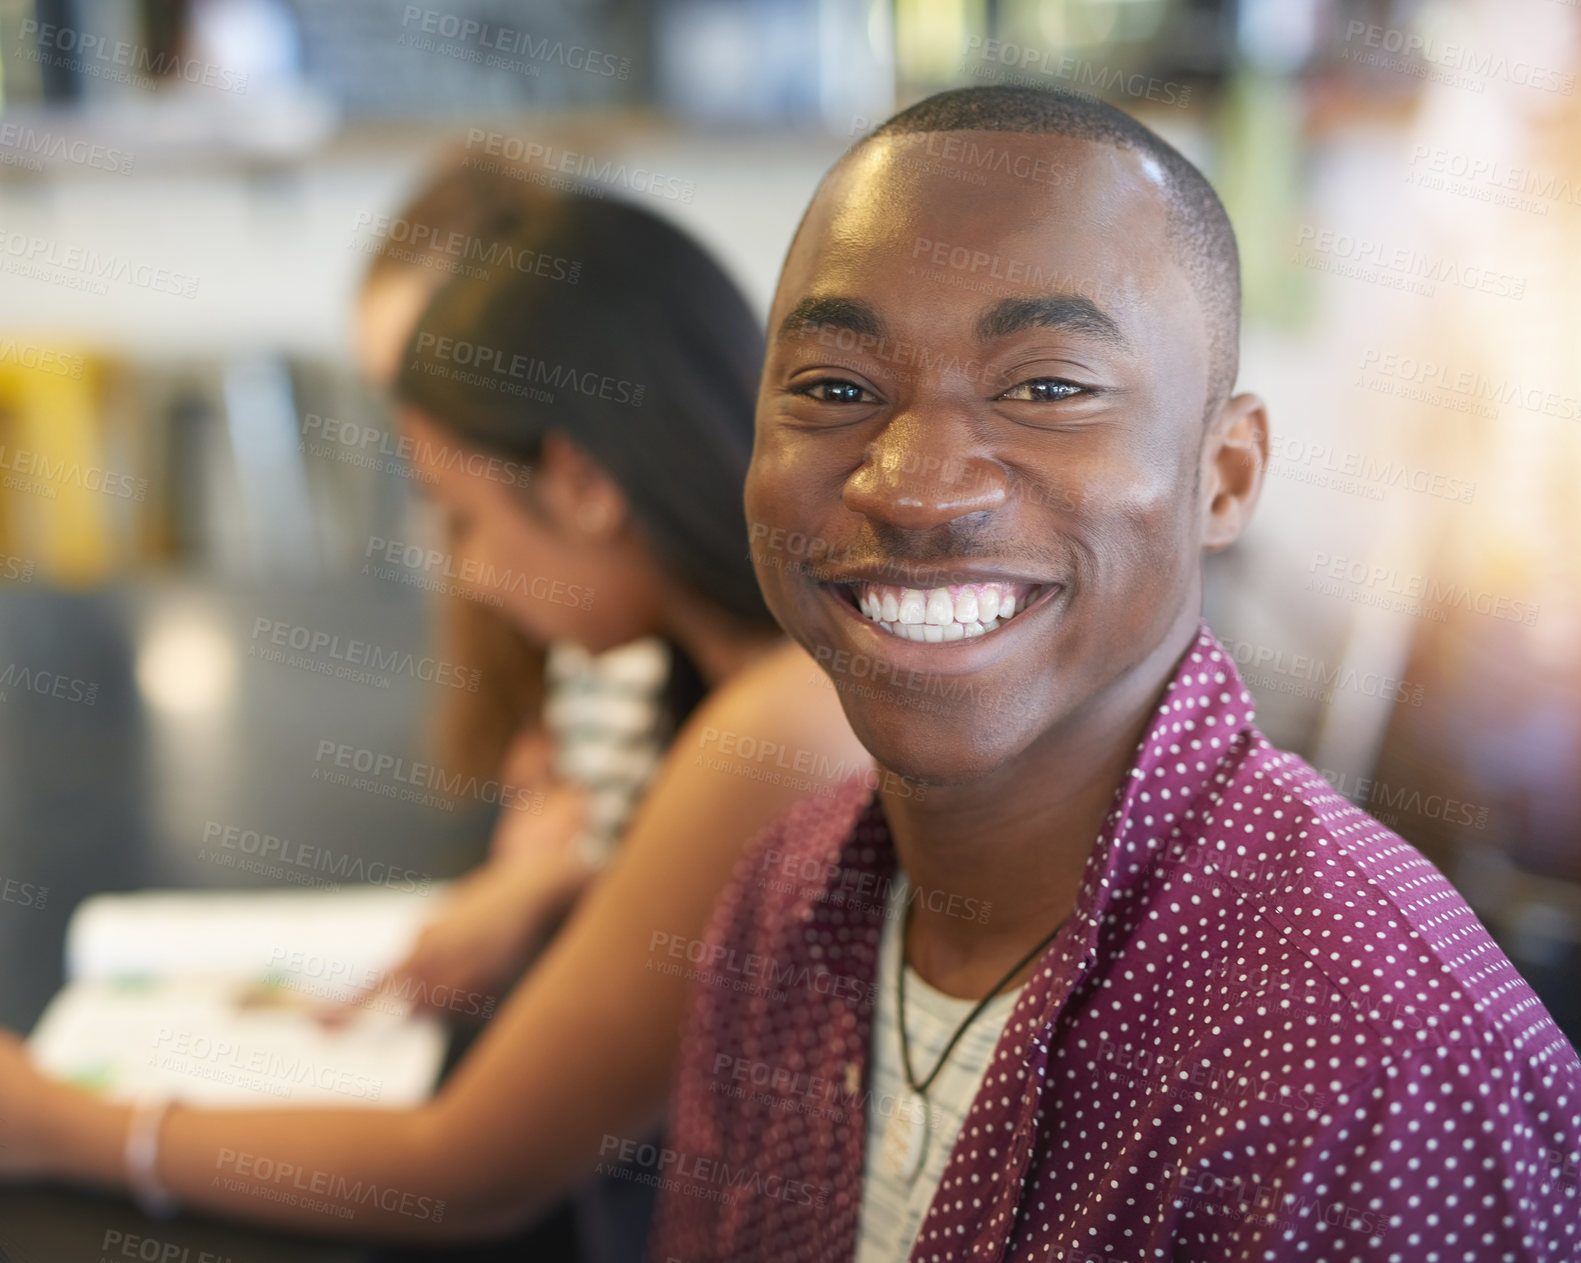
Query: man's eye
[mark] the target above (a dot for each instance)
(834, 390)
(1043, 390)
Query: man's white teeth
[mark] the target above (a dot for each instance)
(937, 615)
(932, 632)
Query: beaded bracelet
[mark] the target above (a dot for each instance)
(142, 1158)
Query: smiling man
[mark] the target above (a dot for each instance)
(1124, 982)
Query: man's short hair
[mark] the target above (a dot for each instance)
(1196, 220)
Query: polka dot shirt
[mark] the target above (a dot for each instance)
(1270, 1032)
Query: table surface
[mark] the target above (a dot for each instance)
(116, 793)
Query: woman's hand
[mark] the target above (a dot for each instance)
(492, 916)
(550, 826)
(484, 928)
(28, 1102)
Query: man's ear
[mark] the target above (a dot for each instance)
(1234, 460)
(579, 495)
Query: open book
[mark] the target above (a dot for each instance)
(211, 997)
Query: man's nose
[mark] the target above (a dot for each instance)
(921, 473)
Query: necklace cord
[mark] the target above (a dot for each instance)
(905, 1049)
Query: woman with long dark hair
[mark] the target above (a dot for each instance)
(628, 396)
(577, 735)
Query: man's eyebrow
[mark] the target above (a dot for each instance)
(832, 313)
(1074, 312)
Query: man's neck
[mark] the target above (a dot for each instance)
(1012, 847)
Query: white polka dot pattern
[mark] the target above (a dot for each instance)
(1270, 1032)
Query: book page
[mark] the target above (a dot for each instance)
(243, 932)
(214, 998)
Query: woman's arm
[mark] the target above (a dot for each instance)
(576, 1062)
(489, 920)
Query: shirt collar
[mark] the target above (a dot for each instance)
(1202, 716)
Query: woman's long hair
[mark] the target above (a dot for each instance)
(461, 211)
(603, 323)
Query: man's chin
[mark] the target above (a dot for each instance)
(938, 750)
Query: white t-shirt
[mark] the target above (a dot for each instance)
(605, 714)
(894, 1201)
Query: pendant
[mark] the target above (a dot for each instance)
(906, 1138)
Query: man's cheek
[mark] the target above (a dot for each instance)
(1135, 540)
(1152, 497)
(759, 495)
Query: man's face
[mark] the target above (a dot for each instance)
(973, 496)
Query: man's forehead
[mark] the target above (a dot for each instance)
(1041, 213)
(1019, 175)
(994, 150)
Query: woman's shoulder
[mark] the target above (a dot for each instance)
(782, 687)
(780, 713)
